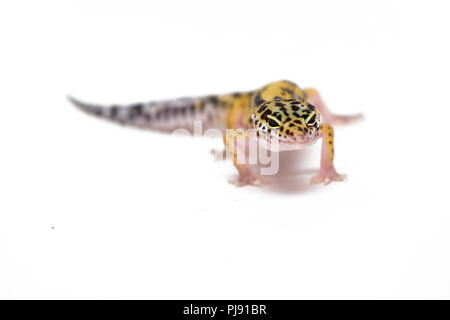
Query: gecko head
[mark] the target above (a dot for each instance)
(291, 123)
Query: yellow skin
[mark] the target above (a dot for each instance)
(284, 117)
(283, 111)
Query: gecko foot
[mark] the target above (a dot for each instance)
(247, 180)
(327, 176)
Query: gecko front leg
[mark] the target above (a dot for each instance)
(327, 171)
(328, 117)
(236, 139)
(236, 142)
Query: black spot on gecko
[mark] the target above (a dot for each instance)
(265, 114)
(114, 111)
(258, 100)
(295, 108)
(262, 108)
(287, 90)
(137, 108)
(214, 100)
(284, 110)
(279, 104)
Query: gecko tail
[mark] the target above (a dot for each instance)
(165, 115)
(154, 115)
(86, 107)
(126, 114)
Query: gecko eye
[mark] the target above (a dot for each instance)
(273, 122)
(312, 121)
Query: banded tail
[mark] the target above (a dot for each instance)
(162, 115)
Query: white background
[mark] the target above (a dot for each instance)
(89, 209)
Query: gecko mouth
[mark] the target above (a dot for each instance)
(281, 143)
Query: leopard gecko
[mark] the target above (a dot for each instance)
(279, 113)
